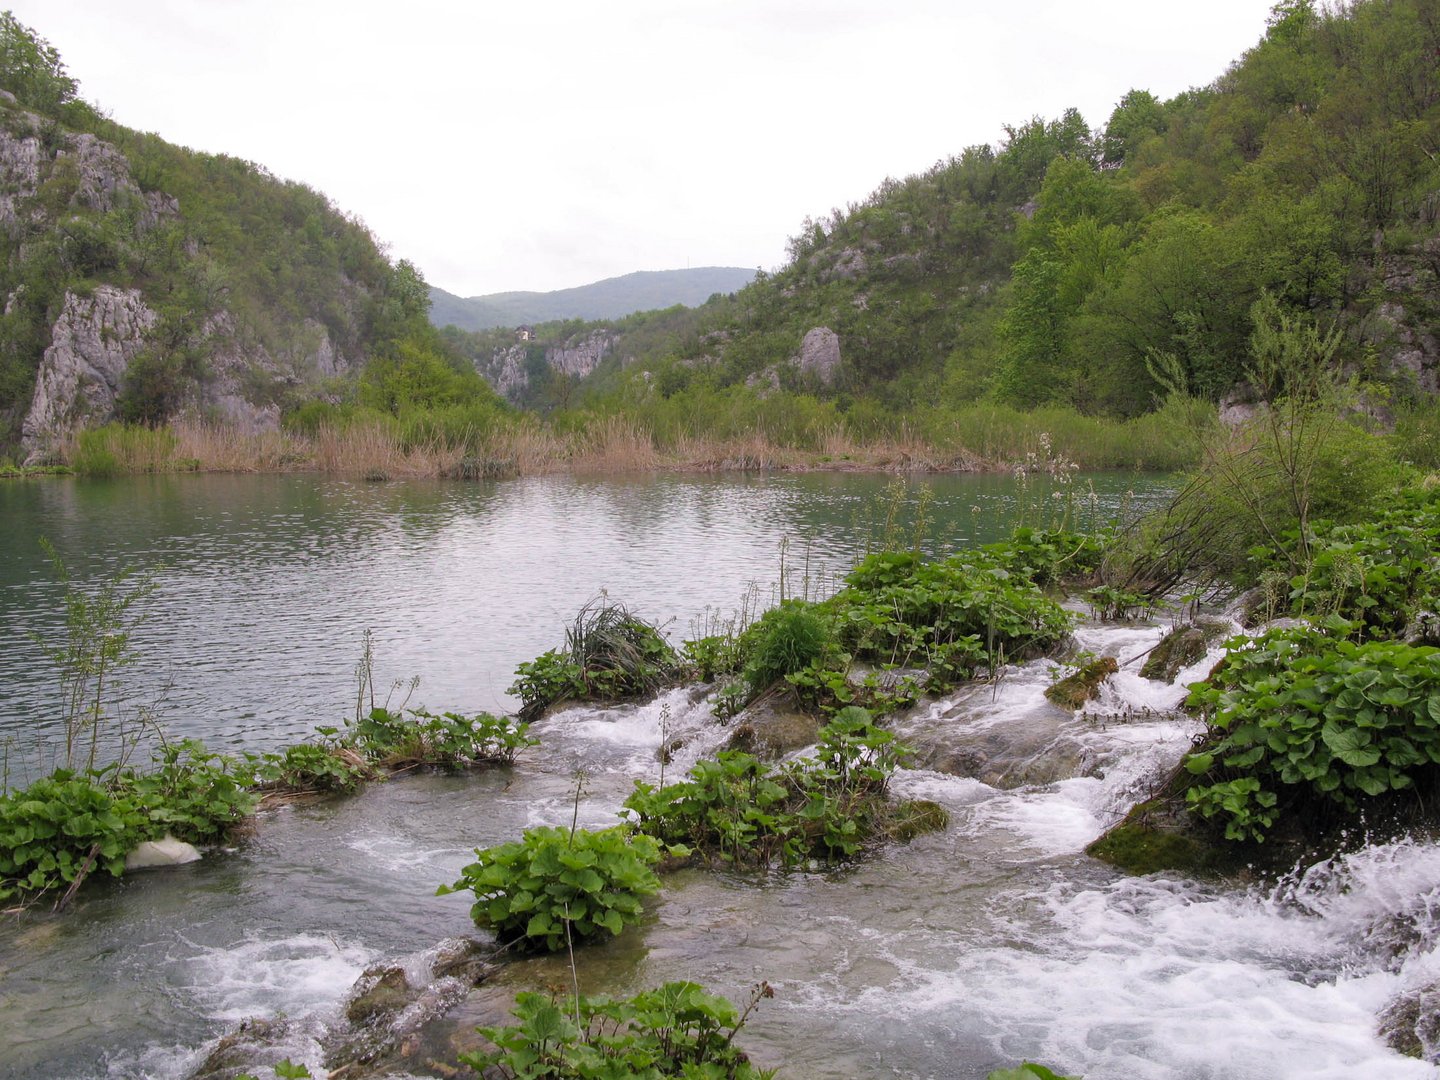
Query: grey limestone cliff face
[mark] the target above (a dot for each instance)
(820, 354)
(510, 370)
(83, 370)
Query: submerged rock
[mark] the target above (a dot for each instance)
(1073, 691)
(1183, 646)
(256, 1046)
(771, 727)
(1410, 1024)
(167, 851)
(388, 1011)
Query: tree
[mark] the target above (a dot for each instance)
(31, 68)
(1138, 116)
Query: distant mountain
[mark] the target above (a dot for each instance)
(613, 298)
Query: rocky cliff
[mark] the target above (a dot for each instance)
(516, 369)
(139, 279)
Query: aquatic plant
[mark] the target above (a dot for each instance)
(1312, 716)
(403, 738)
(61, 828)
(785, 639)
(675, 1030)
(609, 655)
(557, 885)
(736, 809)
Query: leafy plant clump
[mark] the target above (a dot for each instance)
(62, 828)
(609, 655)
(1300, 715)
(448, 740)
(555, 886)
(675, 1030)
(738, 810)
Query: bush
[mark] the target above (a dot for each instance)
(609, 655)
(449, 740)
(52, 831)
(312, 767)
(784, 640)
(63, 827)
(676, 1030)
(738, 810)
(1301, 713)
(557, 884)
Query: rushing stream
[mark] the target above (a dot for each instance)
(993, 941)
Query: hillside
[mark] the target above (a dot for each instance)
(1068, 265)
(613, 298)
(140, 279)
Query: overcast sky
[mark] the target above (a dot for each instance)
(549, 143)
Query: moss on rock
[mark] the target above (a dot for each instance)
(1073, 691)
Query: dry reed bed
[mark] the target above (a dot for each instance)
(610, 445)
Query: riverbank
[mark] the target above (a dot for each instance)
(367, 444)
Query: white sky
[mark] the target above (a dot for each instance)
(551, 143)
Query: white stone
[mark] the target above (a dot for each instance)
(167, 851)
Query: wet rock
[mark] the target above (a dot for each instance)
(1160, 835)
(378, 991)
(1423, 628)
(254, 1047)
(389, 1020)
(1181, 647)
(1073, 691)
(465, 959)
(771, 727)
(1410, 1024)
(1005, 756)
(167, 851)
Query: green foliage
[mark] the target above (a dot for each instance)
(784, 640)
(449, 740)
(1028, 1071)
(738, 810)
(69, 824)
(99, 622)
(558, 885)
(1377, 574)
(191, 792)
(31, 68)
(52, 831)
(964, 612)
(609, 655)
(676, 1030)
(311, 767)
(1303, 714)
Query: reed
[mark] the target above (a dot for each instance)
(976, 438)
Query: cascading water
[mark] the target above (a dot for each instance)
(993, 941)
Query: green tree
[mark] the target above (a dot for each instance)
(31, 68)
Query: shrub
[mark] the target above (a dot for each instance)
(191, 793)
(54, 830)
(559, 884)
(609, 655)
(785, 639)
(675, 1030)
(449, 740)
(312, 767)
(1302, 713)
(63, 827)
(960, 612)
(738, 810)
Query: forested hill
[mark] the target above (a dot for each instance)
(612, 298)
(138, 278)
(1067, 264)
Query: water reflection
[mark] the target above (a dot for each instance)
(266, 583)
